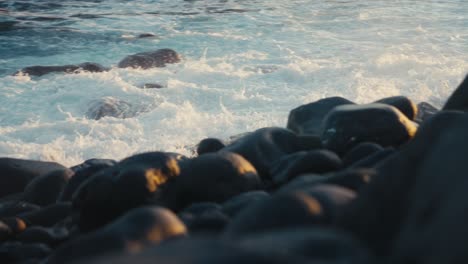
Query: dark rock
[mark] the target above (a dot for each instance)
(43, 70)
(210, 222)
(348, 125)
(15, 252)
(317, 245)
(209, 145)
(425, 111)
(146, 60)
(200, 208)
(402, 103)
(14, 208)
(353, 179)
(315, 161)
(47, 216)
(459, 98)
(9, 227)
(200, 251)
(374, 159)
(45, 189)
(307, 119)
(282, 211)
(110, 106)
(414, 210)
(214, 177)
(241, 201)
(360, 152)
(82, 173)
(146, 35)
(15, 174)
(49, 236)
(152, 86)
(264, 147)
(134, 181)
(130, 233)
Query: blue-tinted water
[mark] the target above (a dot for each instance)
(245, 65)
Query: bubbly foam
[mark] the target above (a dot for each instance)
(245, 65)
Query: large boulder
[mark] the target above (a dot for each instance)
(151, 59)
(459, 98)
(402, 103)
(133, 182)
(414, 209)
(15, 174)
(130, 233)
(348, 125)
(307, 119)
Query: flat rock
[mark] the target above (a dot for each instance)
(307, 119)
(348, 125)
(43, 70)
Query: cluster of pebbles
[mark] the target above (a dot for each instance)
(342, 183)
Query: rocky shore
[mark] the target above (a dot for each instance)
(341, 183)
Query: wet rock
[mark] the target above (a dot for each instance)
(209, 222)
(15, 252)
(47, 216)
(346, 126)
(136, 229)
(146, 60)
(241, 201)
(315, 161)
(402, 103)
(152, 86)
(133, 182)
(110, 106)
(43, 70)
(419, 196)
(49, 236)
(209, 145)
(307, 119)
(425, 111)
(264, 147)
(146, 35)
(459, 98)
(317, 245)
(214, 177)
(360, 152)
(14, 208)
(15, 174)
(45, 189)
(82, 172)
(282, 211)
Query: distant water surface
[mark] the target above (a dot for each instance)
(245, 65)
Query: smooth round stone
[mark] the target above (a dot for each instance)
(146, 60)
(200, 208)
(402, 103)
(315, 161)
(15, 174)
(9, 227)
(241, 201)
(133, 231)
(346, 126)
(317, 245)
(209, 145)
(45, 189)
(135, 181)
(16, 252)
(374, 159)
(47, 216)
(14, 208)
(264, 147)
(360, 152)
(210, 222)
(215, 177)
(83, 172)
(308, 118)
(48, 236)
(288, 210)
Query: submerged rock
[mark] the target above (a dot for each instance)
(111, 107)
(151, 59)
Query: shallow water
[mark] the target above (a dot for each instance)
(245, 65)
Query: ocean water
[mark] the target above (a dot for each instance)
(246, 63)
